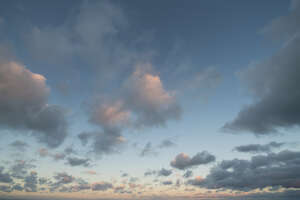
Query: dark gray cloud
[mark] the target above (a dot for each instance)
(164, 172)
(274, 85)
(5, 188)
(274, 169)
(58, 156)
(4, 177)
(31, 182)
(166, 144)
(19, 145)
(188, 174)
(24, 106)
(258, 148)
(70, 150)
(74, 161)
(17, 187)
(150, 173)
(103, 186)
(183, 161)
(108, 142)
(148, 150)
(167, 182)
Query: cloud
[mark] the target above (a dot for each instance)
(183, 161)
(102, 186)
(274, 169)
(31, 181)
(5, 188)
(167, 182)
(164, 172)
(150, 173)
(84, 138)
(20, 168)
(43, 152)
(17, 187)
(5, 177)
(274, 86)
(141, 102)
(258, 148)
(74, 161)
(166, 144)
(188, 174)
(59, 156)
(90, 172)
(148, 150)
(23, 104)
(19, 145)
(285, 27)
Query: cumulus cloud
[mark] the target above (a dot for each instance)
(167, 182)
(74, 161)
(150, 173)
(23, 104)
(274, 86)
(164, 172)
(258, 148)
(143, 102)
(274, 169)
(4, 177)
(188, 174)
(20, 168)
(183, 161)
(101, 186)
(31, 181)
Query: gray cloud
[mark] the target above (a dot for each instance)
(285, 27)
(19, 145)
(183, 161)
(20, 168)
(31, 181)
(5, 188)
(258, 148)
(74, 161)
(167, 182)
(274, 169)
(188, 174)
(103, 186)
(274, 86)
(4, 177)
(17, 187)
(166, 144)
(148, 150)
(84, 138)
(23, 104)
(164, 172)
(150, 173)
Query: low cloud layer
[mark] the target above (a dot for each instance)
(258, 148)
(272, 170)
(183, 161)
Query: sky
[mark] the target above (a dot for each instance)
(152, 100)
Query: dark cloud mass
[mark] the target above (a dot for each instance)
(4, 177)
(183, 161)
(23, 104)
(74, 161)
(101, 186)
(274, 84)
(258, 148)
(164, 172)
(275, 169)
